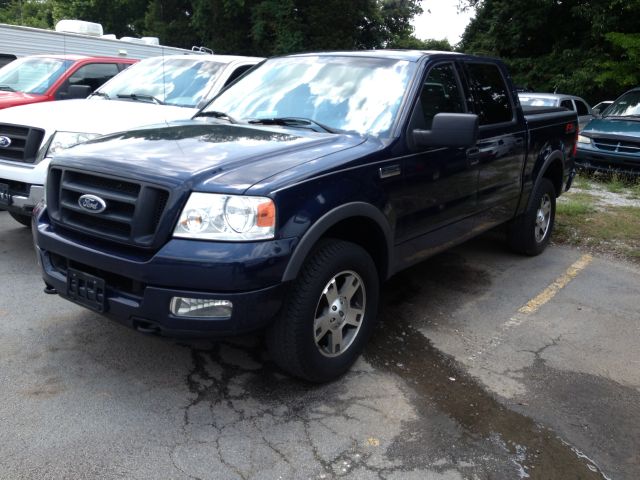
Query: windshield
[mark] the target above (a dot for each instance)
(536, 102)
(628, 105)
(345, 93)
(32, 74)
(182, 82)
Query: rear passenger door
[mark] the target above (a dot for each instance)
(501, 145)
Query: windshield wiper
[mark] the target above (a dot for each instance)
(101, 94)
(141, 97)
(216, 114)
(298, 122)
(6, 88)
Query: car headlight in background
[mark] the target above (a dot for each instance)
(63, 140)
(583, 139)
(213, 216)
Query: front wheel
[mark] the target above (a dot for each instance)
(530, 232)
(329, 313)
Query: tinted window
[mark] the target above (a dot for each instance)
(440, 93)
(237, 72)
(566, 104)
(582, 108)
(94, 74)
(490, 92)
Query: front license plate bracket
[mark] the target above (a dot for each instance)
(86, 290)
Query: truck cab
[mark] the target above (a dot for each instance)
(43, 78)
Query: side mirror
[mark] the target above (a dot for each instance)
(453, 130)
(78, 91)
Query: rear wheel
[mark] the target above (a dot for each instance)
(329, 313)
(530, 232)
(21, 218)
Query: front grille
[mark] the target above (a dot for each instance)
(618, 146)
(132, 214)
(24, 143)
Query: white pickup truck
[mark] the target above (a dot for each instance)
(155, 90)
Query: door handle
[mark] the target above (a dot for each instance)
(473, 156)
(389, 171)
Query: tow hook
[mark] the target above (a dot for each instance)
(49, 290)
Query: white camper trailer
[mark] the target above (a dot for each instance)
(77, 37)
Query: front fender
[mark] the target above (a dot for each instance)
(328, 220)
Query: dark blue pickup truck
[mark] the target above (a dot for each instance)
(287, 201)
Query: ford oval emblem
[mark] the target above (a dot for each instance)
(5, 142)
(92, 203)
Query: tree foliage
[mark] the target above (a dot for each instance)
(585, 47)
(253, 27)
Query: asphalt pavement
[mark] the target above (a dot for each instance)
(484, 365)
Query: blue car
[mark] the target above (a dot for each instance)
(612, 142)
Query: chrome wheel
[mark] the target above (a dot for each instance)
(339, 313)
(543, 218)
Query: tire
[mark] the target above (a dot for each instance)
(530, 233)
(324, 324)
(20, 218)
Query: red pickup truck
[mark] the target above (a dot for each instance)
(42, 78)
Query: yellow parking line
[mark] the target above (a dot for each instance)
(548, 293)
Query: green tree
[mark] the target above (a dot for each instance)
(120, 17)
(585, 47)
(170, 21)
(30, 13)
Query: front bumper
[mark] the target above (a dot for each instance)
(25, 185)
(598, 160)
(138, 291)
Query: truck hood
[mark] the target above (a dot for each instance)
(93, 115)
(204, 156)
(610, 127)
(13, 99)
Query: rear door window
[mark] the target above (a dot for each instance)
(492, 100)
(567, 104)
(582, 108)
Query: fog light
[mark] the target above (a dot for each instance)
(200, 307)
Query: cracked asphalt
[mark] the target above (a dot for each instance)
(457, 382)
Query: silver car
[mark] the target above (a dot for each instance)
(571, 102)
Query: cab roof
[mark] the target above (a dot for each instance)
(408, 55)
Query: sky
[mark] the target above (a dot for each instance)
(444, 21)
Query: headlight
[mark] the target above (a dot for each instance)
(227, 217)
(583, 139)
(62, 140)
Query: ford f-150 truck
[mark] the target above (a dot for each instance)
(43, 78)
(286, 201)
(156, 90)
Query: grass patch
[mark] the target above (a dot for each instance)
(582, 182)
(576, 207)
(634, 190)
(613, 230)
(616, 183)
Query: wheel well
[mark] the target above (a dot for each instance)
(554, 173)
(366, 233)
